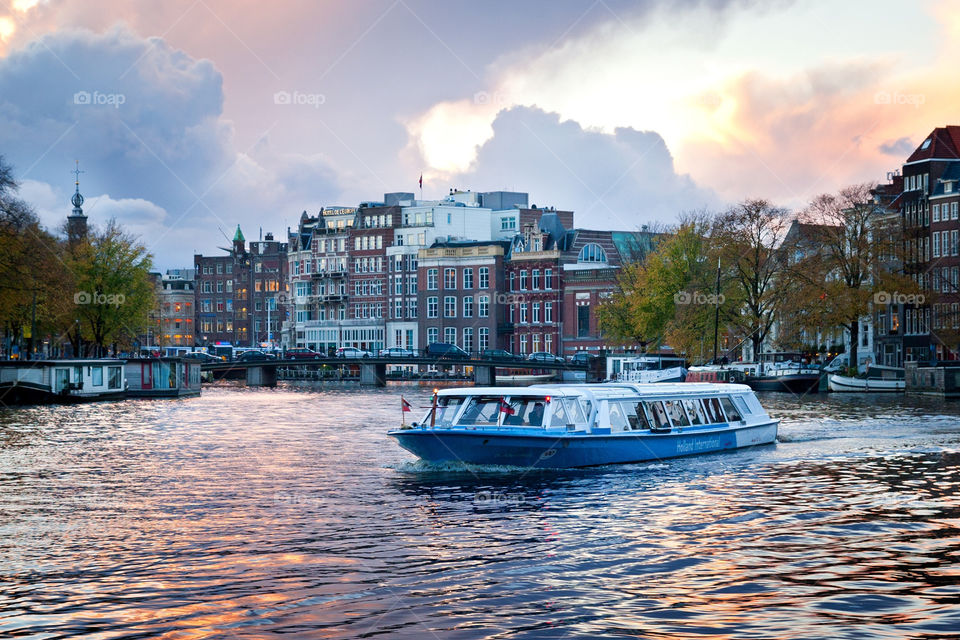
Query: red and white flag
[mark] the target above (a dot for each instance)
(506, 408)
(421, 181)
(404, 405)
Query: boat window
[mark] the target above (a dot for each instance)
(741, 405)
(695, 411)
(574, 413)
(732, 414)
(115, 375)
(675, 411)
(714, 412)
(559, 418)
(447, 407)
(96, 376)
(636, 416)
(618, 422)
(587, 407)
(527, 412)
(481, 411)
(659, 414)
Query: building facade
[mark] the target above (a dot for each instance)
(176, 301)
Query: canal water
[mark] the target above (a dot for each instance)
(287, 513)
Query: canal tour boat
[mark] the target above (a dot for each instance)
(560, 426)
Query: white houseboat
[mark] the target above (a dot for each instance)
(61, 381)
(586, 425)
(163, 377)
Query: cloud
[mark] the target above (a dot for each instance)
(899, 148)
(618, 180)
(145, 120)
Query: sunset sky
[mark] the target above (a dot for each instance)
(207, 113)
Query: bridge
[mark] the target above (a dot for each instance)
(373, 370)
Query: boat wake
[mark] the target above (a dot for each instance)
(424, 466)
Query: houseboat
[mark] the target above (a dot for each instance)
(163, 377)
(61, 381)
(646, 368)
(793, 377)
(560, 426)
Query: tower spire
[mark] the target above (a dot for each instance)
(76, 221)
(77, 199)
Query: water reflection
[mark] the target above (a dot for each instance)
(258, 513)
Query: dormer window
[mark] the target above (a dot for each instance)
(592, 253)
(925, 145)
(948, 186)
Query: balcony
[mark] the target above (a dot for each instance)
(333, 297)
(333, 273)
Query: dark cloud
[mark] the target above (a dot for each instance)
(900, 148)
(619, 180)
(145, 121)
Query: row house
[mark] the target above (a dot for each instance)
(240, 298)
(367, 281)
(176, 300)
(930, 251)
(318, 257)
(460, 284)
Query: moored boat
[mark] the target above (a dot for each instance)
(560, 426)
(62, 381)
(880, 379)
(647, 368)
(714, 373)
(793, 378)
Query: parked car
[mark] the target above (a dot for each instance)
(543, 356)
(582, 357)
(254, 356)
(397, 352)
(301, 353)
(446, 351)
(203, 357)
(352, 352)
(497, 354)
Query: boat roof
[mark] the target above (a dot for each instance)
(605, 390)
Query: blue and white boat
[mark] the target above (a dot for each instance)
(559, 426)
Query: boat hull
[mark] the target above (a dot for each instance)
(575, 450)
(800, 383)
(864, 385)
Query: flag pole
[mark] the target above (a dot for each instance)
(403, 418)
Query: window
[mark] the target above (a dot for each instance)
(432, 306)
(523, 313)
(449, 307)
(536, 279)
(468, 278)
(732, 414)
(468, 339)
(936, 244)
(953, 211)
(450, 335)
(483, 334)
(953, 242)
(677, 415)
(523, 280)
(449, 278)
(583, 321)
(481, 411)
(484, 278)
(592, 252)
(548, 279)
(467, 306)
(412, 308)
(657, 414)
(936, 213)
(548, 312)
(523, 344)
(433, 335)
(96, 376)
(432, 275)
(114, 377)
(483, 307)
(536, 313)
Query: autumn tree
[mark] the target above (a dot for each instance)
(853, 245)
(747, 237)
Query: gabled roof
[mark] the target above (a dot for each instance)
(238, 236)
(943, 142)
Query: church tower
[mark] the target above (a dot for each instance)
(76, 221)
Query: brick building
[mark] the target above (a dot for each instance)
(459, 285)
(241, 297)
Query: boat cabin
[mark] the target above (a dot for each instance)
(45, 381)
(163, 377)
(594, 409)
